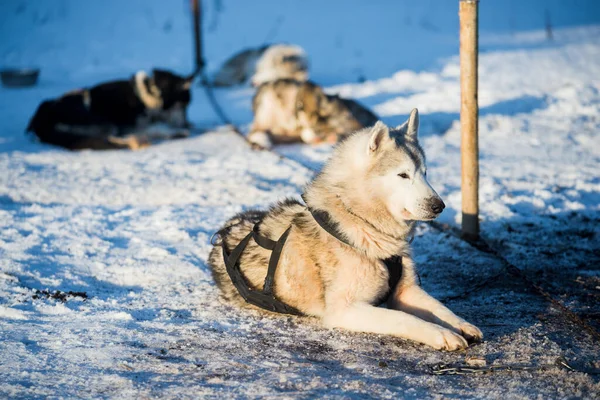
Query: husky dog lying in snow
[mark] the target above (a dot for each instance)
(290, 111)
(335, 263)
(263, 64)
(116, 114)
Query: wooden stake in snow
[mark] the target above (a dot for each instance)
(469, 114)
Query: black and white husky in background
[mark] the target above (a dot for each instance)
(117, 114)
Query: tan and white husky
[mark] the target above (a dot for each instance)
(373, 190)
(287, 111)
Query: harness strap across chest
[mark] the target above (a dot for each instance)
(265, 298)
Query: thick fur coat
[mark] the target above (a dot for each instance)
(287, 111)
(374, 188)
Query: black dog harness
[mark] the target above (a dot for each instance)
(265, 298)
(262, 298)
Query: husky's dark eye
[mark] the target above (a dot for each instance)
(403, 175)
(425, 173)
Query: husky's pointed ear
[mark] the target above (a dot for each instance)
(378, 133)
(412, 127)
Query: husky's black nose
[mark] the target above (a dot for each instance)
(437, 205)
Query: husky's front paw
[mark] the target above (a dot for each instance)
(470, 332)
(445, 339)
(309, 136)
(259, 140)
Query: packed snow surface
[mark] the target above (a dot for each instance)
(124, 236)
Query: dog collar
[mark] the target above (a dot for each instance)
(325, 221)
(323, 218)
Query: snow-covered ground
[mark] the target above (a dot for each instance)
(131, 230)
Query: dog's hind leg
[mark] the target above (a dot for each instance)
(158, 131)
(362, 317)
(162, 131)
(80, 137)
(131, 142)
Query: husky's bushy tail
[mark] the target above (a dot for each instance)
(281, 61)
